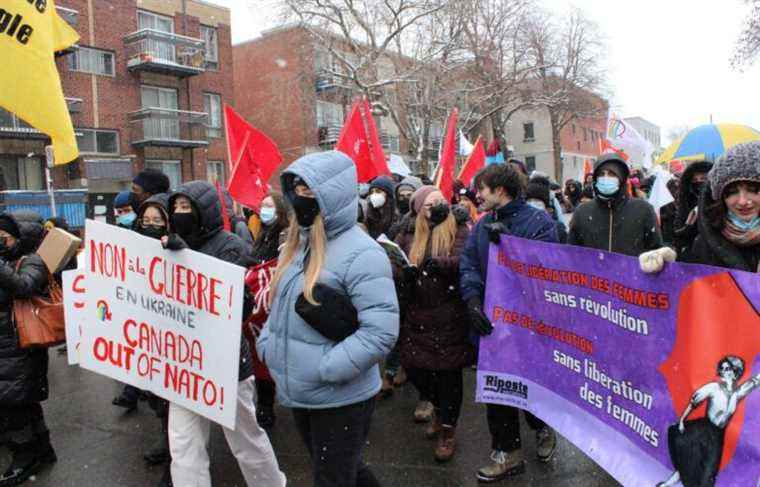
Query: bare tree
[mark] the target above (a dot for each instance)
(748, 45)
(569, 72)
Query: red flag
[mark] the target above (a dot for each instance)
(375, 148)
(358, 140)
(606, 147)
(253, 159)
(475, 162)
(446, 165)
(225, 215)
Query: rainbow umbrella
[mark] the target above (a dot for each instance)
(708, 142)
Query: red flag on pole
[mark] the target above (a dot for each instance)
(359, 141)
(475, 162)
(225, 215)
(253, 159)
(448, 160)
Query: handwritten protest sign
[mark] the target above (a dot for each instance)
(168, 322)
(614, 358)
(75, 313)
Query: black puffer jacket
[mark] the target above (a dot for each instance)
(23, 373)
(711, 248)
(217, 243)
(683, 234)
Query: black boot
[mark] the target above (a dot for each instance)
(28, 459)
(160, 451)
(166, 478)
(128, 398)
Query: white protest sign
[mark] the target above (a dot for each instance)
(74, 311)
(164, 321)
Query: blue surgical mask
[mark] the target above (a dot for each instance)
(744, 225)
(126, 220)
(268, 215)
(607, 185)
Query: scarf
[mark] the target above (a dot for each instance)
(740, 237)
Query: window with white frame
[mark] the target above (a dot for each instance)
(24, 173)
(210, 37)
(149, 20)
(91, 60)
(172, 169)
(215, 172)
(213, 106)
(92, 141)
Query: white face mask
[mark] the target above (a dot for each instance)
(377, 200)
(537, 204)
(268, 215)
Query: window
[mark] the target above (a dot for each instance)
(329, 114)
(528, 135)
(165, 127)
(11, 123)
(90, 60)
(172, 169)
(149, 20)
(21, 173)
(213, 106)
(585, 134)
(530, 163)
(92, 141)
(215, 172)
(209, 36)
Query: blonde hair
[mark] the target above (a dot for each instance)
(443, 236)
(317, 245)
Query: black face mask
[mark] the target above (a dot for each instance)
(403, 205)
(5, 251)
(306, 210)
(439, 213)
(153, 231)
(696, 189)
(185, 225)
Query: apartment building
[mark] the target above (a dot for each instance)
(145, 87)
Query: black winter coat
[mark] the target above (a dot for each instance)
(622, 225)
(683, 234)
(434, 333)
(23, 373)
(218, 243)
(267, 246)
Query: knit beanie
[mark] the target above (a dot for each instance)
(740, 163)
(418, 198)
(121, 200)
(386, 184)
(9, 226)
(152, 181)
(412, 182)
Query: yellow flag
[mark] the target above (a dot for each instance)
(30, 33)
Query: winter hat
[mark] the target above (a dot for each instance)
(152, 181)
(469, 194)
(740, 163)
(538, 191)
(122, 199)
(614, 163)
(9, 226)
(418, 198)
(412, 182)
(386, 184)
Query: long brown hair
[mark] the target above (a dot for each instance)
(317, 245)
(443, 236)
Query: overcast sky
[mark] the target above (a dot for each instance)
(668, 59)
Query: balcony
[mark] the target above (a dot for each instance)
(328, 134)
(164, 127)
(70, 15)
(326, 81)
(161, 52)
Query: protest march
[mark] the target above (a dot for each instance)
(389, 304)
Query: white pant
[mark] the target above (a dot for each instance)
(188, 437)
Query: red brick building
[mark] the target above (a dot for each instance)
(145, 86)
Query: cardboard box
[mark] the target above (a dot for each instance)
(58, 248)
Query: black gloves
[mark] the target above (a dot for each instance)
(495, 230)
(478, 320)
(174, 242)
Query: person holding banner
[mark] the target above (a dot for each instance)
(433, 342)
(196, 222)
(729, 212)
(330, 383)
(23, 372)
(500, 188)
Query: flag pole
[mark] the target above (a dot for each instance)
(50, 161)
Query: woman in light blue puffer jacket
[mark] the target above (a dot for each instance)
(330, 386)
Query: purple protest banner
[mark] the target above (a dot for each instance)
(614, 359)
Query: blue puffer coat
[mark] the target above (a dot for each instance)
(310, 370)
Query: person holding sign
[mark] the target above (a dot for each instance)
(23, 372)
(195, 216)
(329, 381)
(500, 188)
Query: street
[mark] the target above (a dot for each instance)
(100, 445)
